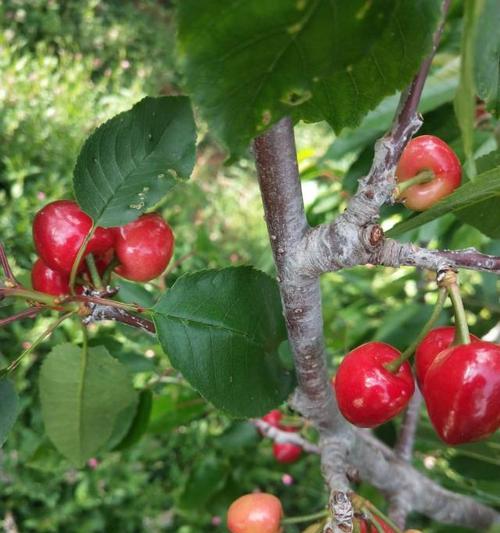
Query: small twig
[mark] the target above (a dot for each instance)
(32, 312)
(281, 436)
(399, 506)
(4, 261)
(100, 312)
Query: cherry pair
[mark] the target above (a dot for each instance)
(284, 452)
(460, 385)
(142, 248)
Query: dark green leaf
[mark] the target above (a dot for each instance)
(312, 59)
(487, 55)
(130, 162)
(475, 468)
(207, 477)
(222, 330)
(181, 406)
(134, 293)
(238, 436)
(8, 408)
(485, 216)
(485, 187)
(122, 425)
(81, 398)
(140, 422)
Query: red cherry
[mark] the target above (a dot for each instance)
(367, 393)
(366, 527)
(144, 248)
(44, 279)
(428, 153)
(255, 513)
(462, 392)
(59, 230)
(273, 418)
(286, 452)
(434, 342)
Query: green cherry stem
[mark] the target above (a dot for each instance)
(393, 366)
(35, 296)
(14, 364)
(78, 259)
(422, 177)
(305, 518)
(94, 274)
(461, 329)
(109, 270)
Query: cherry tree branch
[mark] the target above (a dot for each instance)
(399, 506)
(278, 435)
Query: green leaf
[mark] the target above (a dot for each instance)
(81, 397)
(122, 425)
(487, 55)
(179, 407)
(130, 162)
(140, 421)
(485, 216)
(311, 59)
(8, 408)
(485, 187)
(237, 436)
(465, 100)
(222, 330)
(207, 477)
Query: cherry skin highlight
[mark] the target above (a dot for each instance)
(59, 230)
(428, 153)
(286, 452)
(367, 393)
(435, 342)
(462, 392)
(144, 248)
(44, 279)
(273, 418)
(255, 513)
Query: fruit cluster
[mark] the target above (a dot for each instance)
(284, 452)
(460, 385)
(138, 251)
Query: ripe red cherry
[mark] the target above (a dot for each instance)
(144, 247)
(273, 418)
(286, 452)
(462, 392)
(366, 527)
(435, 342)
(255, 513)
(44, 279)
(59, 229)
(428, 153)
(367, 393)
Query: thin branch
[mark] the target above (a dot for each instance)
(281, 436)
(4, 262)
(104, 312)
(32, 312)
(396, 254)
(399, 506)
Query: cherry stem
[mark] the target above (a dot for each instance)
(462, 335)
(109, 269)
(422, 177)
(14, 364)
(94, 274)
(6, 266)
(78, 258)
(394, 365)
(25, 313)
(305, 518)
(111, 303)
(36, 296)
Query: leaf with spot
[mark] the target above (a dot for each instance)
(130, 162)
(82, 396)
(222, 329)
(248, 64)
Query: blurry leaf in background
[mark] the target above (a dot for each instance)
(487, 55)
(8, 407)
(140, 421)
(81, 399)
(130, 162)
(222, 330)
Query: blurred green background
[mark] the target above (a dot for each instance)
(65, 67)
